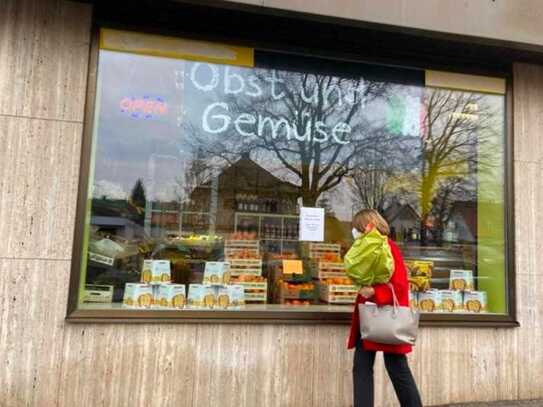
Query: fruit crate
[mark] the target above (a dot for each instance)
(324, 269)
(255, 291)
(320, 250)
(237, 248)
(240, 267)
(337, 293)
(288, 291)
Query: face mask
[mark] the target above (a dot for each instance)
(356, 233)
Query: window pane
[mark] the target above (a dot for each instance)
(200, 169)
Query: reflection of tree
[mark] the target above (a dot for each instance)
(324, 202)
(369, 187)
(456, 125)
(305, 109)
(196, 174)
(138, 199)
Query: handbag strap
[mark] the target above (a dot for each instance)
(394, 298)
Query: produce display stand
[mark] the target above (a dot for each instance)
(317, 251)
(337, 293)
(234, 249)
(239, 267)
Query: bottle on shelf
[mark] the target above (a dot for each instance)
(255, 203)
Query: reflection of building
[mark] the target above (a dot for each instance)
(244, 187)
(462, 224)
(404, 221)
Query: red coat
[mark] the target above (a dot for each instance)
(383, 296)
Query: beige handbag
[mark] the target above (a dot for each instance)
(390, 324)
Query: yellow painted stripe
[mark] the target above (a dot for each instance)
(173, 47)
(457, 81)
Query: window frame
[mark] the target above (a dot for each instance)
(77, 315)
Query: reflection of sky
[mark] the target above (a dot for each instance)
(160, 148)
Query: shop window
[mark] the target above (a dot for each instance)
(204, 157)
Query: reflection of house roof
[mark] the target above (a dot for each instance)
(397, 210)
(245, 174)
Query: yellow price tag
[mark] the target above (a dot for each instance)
(293, 267)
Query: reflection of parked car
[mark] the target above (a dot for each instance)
(111, 276)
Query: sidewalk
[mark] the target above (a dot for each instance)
(512, 403)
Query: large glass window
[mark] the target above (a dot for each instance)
(206, 156)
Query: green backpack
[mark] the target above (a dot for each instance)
(369, 260)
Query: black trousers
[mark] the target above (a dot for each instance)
(398, 371)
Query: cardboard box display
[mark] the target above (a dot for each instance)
(210, 296)
(475, 301)
(429, 301)
(156, 271)
(413, 299)
(138, 295)
(223, 297)
(172, 296)
(237, 295)
(461, 280)
(202, 296)
(451, 301)
(195, 296)
(217, 273)
(231, 296)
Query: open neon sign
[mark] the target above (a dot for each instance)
(146, 107)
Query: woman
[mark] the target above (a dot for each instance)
(394, 355)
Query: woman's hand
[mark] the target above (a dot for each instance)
(367, 292)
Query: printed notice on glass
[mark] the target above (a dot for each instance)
(312, 224)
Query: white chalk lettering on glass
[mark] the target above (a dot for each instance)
(219, 117)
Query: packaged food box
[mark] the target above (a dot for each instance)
(451, 301)
(156, 271)
(420, 274)
(237, 295)
(223, 297)
(210, 296)
(172, 295)
(429, 301)
(217, 272)
(195, 296)
(156, 298)
(461, 280)
(413, 299)
(138, 295)
(475, 301)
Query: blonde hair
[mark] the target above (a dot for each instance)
(370, 216)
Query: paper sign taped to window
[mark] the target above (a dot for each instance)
(312, 224)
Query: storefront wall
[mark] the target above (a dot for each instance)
(505, 20)
(44, 48)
